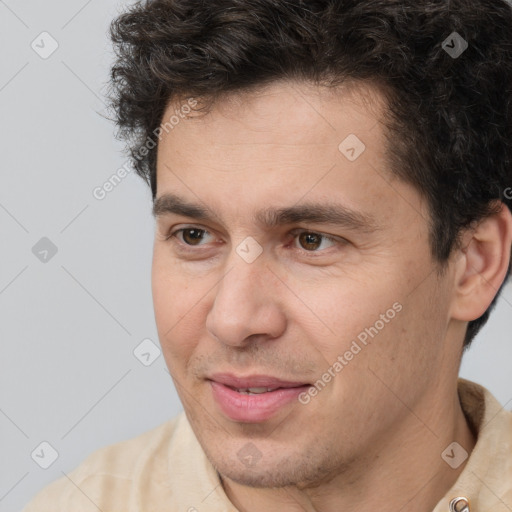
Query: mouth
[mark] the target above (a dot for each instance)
(253, 399)
(253, 391)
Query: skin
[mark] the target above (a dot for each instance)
(373, 437)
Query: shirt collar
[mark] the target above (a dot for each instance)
(486, 480)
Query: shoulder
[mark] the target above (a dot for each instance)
(108, 478)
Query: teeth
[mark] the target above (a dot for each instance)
(254, 391)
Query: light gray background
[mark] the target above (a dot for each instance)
(68, 327)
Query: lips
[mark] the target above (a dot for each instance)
(255, 398)
(254, 381)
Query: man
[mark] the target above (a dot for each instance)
(331, 185)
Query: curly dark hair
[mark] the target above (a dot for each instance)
(448, 117)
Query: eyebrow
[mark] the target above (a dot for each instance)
(270, 217)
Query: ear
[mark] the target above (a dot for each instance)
(481, 265)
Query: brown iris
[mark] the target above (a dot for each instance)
(310, 241)
(191, 235)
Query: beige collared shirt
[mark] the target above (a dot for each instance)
(166, 470)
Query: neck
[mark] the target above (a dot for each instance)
(407, 469)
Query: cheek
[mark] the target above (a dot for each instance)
(342, 311)
(176, 306)
(171, 288)
(376, 323)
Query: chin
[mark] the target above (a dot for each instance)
(262, 477)
(286, 470)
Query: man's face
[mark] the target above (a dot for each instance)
(353, 304)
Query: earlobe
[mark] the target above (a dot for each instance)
(482, 265)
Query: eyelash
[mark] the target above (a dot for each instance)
(296, 232)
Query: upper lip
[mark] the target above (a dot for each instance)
(254, 381)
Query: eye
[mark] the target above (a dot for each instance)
(306, 241)
(311, 241)
(189, 236)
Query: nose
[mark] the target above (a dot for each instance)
(246, 305)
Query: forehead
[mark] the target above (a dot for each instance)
(283, 145)
(301, 110)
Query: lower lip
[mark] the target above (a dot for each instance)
(253, 408)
